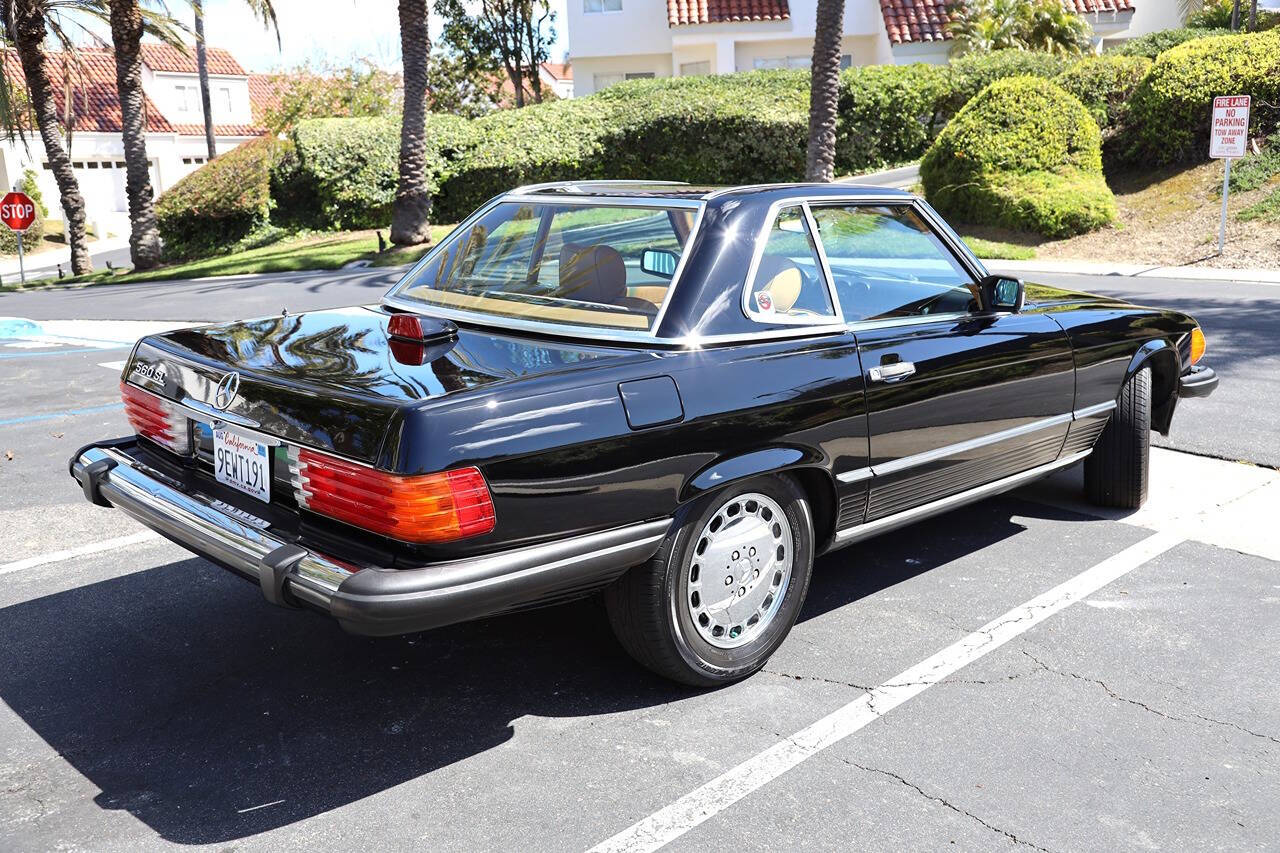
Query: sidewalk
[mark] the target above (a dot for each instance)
(1245, 276)
(44, 264)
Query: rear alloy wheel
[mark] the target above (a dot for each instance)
(722, 593)
(1117, 471)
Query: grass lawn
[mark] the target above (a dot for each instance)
(1168, 217)
(316, 252)
(995, 250)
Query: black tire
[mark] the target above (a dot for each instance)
(646, 607)
(1116, 473)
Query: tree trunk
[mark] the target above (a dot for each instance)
(412, 209)
(824, 91)
(202, 66)
(126, 33)
(1253, 16)
(1235, 15)
(29, 36)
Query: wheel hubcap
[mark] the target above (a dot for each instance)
(740, 569)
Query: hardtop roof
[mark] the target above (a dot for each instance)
(678, 190)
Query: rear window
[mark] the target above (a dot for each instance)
(605, 266)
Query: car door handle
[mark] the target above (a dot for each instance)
(895, 372)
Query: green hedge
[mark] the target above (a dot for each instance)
(1153, 44)
(220, 203)
(1170, 111)
(1023, 154)
(1103, 84)
(888, 113)
(737, 128)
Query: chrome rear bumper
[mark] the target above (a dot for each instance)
(365, 599)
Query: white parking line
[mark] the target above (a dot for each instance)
(78, 551)
(701, 804)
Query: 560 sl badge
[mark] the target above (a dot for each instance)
(154, 372)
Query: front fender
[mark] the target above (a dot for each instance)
(1166, 366)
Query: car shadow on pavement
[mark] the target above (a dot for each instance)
(211, 716)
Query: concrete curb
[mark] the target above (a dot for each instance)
(1247, 276)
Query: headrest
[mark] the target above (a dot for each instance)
(782, 279)
(592, 273)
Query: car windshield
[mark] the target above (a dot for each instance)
(595, 265)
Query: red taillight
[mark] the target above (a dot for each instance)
(156, 418)
(405, 326)
(423, 508)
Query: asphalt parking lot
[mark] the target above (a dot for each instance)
(1024, 672)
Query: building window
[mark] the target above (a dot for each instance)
(224, 99)
(695, 69)
(640, 75)
(593, 7)
(774, 62)
(846, 61)
(187, 99)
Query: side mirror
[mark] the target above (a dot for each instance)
(659, 262)
(1002, 293)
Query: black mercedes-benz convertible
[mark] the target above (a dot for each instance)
(679, 396)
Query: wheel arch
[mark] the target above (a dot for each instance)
(807, 466)
(1166, 366)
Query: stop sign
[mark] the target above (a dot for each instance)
(18, 211)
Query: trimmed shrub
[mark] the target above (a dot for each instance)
(1170, 111)
(32, 236)
(346, 168)
(1153, 44)
(888, 113)
(972, 73)
(1023, 154)
(220, 203)
(1103, 84)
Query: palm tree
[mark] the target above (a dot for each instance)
(25, 27)
(126, 34)
(412, 208)
(824, 91)
(265, 12)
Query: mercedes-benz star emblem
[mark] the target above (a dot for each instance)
(227, 390)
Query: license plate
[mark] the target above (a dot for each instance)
(242, 464)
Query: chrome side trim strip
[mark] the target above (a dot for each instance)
(1090, 411)
(856, 475)
(881, 525)
(972, 444)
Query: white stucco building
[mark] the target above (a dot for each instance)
(174, 119)
(615, 40)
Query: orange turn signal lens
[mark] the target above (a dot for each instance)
(1197, 344)
(426, 508)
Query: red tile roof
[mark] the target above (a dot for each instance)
(909, 21)
(265, 91)
(682, 12)
(162, 57)
(558, 70)
(95, 100)
(1088, 7)
(915, 20)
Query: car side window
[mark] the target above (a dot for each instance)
(788, 285)
(887, 262)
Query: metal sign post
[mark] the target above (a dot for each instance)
(22, 267)
(1228, 136)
